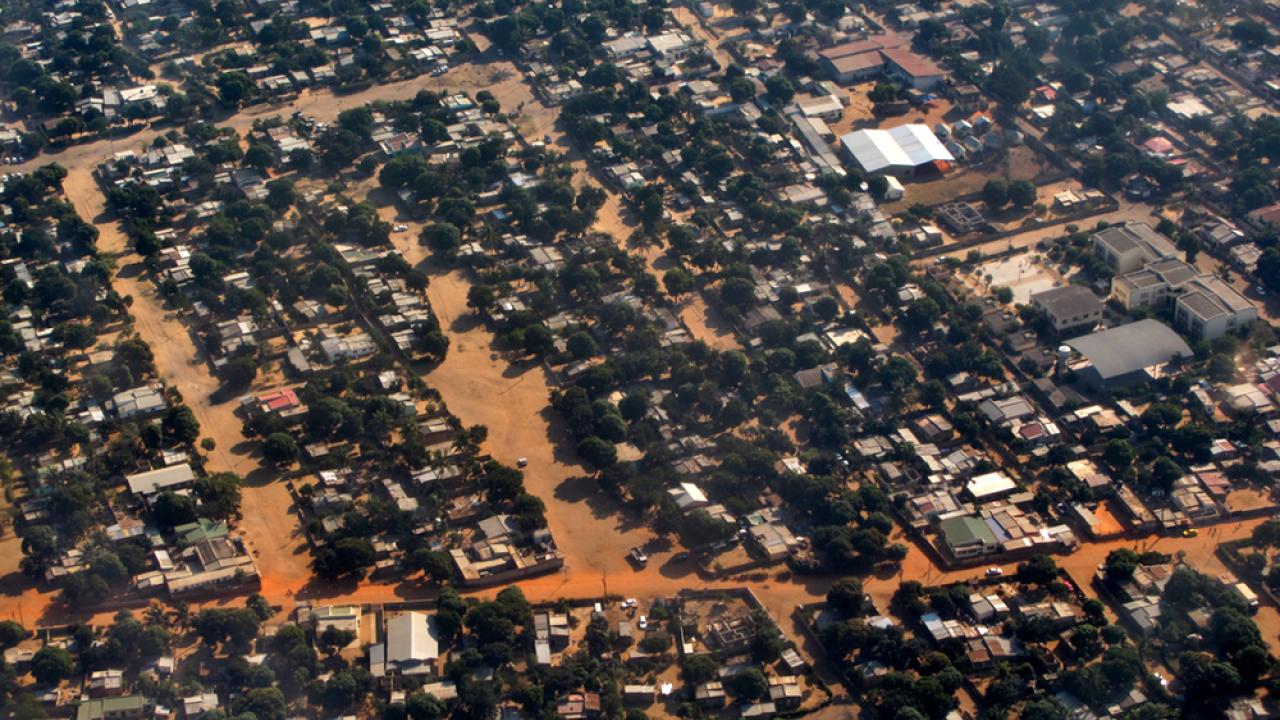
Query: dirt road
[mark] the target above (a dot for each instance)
(267, 518)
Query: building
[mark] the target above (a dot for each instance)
(124, 707)
(967, 537)
(1125, 355)
(902, 151)
(174, 477)
(1071, 306)
(1209, 308)
(688, 497)
(881, 54)
(1132, 246)
(1152, 285)
(990, 486)
(412, 647)
(913, 69)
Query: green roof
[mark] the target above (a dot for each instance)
(967, 530)
(202, 529)
(99, 708)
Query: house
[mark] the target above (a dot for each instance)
(124, 707)
(138, 402)
(990, 486)
(967, 536)
(342, 617)
(688, 497)
(1129, 247)
(198, 705)
(411, 648)
(1070, 306)
(173, 477)
(578, 706)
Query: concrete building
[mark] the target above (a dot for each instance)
(1209, 308)
(1071, 306)
(1132, 246)
(967, 537)
(1153, 285)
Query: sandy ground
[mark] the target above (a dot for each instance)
(481, 387)
(267, 518)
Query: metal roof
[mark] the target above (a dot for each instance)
(903, 147)
(1130, 348)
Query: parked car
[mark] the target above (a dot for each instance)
(638, 557)
(995, 571)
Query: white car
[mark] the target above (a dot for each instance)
(400, 228)
(643, 622)
(522, 462)
(995, 572)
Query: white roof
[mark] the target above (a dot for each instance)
(412, 639)
(990, 484)
(153, 481)
(902, 147)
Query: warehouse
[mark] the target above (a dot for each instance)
(1127, 355)
(903, 151)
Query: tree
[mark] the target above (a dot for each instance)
(1022, 193)
(219, 495)
(11, 633)
(738, 293)
(238, 374)
(748, 685)
(281, 449)
(677, 281)
(780, 89)
(598, 452)
(581, 346)
(443, 237)
(1039, 570)
(482, 298)
(1008, 85)
(180, 425)
(170, 509)
(846, 597)
(995, 193)
(538, 340)
(1119, 455)
(51, 665)
(233, 88)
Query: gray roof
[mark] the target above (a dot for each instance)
(1068, 301)
(1130, 348)
(1123, 238)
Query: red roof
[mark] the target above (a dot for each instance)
(279, 400)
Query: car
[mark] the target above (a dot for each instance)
(638, 557)
(522, 462)
(995, 571)
(680, 557)
(630, 603)
(400, 228)
(643, 622)
(1260, 290)
(1190, 532)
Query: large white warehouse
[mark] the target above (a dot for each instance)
(902, 151)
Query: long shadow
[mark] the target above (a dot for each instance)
(131, 270)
